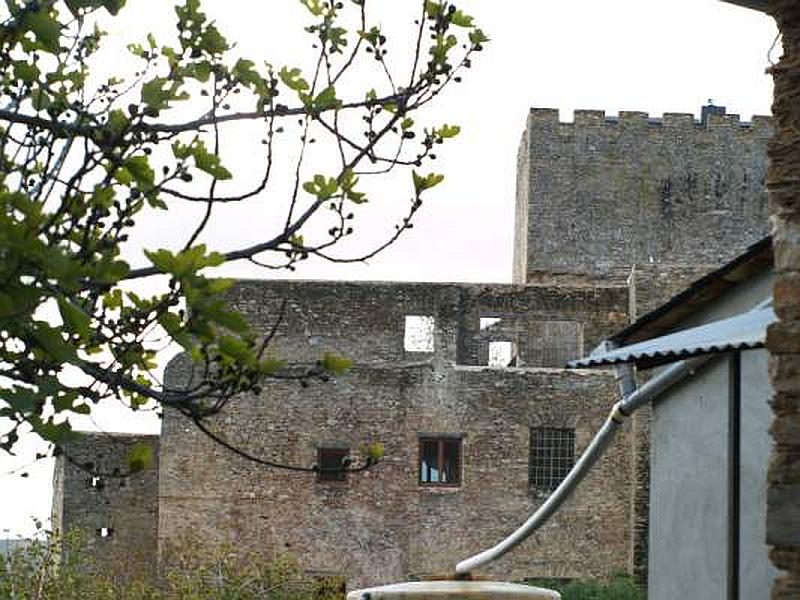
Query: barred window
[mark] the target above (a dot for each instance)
(551, 458)
(331, 461)
(440, 461)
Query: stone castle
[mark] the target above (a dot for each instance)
(462, 383)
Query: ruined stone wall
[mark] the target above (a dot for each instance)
(673, 196)
(366, 320)
(381, 525)
(117, 516)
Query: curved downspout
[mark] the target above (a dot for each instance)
(616, 418)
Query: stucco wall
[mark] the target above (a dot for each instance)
(689, 470)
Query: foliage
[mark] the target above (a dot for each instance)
(82, 161)
(618, 587)
(42, 572)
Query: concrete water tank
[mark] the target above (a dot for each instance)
(454, 590)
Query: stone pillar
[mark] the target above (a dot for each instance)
(783, 182)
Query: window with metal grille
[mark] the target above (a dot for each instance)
(331, 461)
(440, 461)
(551, 458)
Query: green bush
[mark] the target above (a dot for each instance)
(618, 587)
(62, 569)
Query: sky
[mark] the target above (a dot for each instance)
(644, 55)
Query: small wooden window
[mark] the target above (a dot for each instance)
(440, 461)
(551, 458)
(331, 463)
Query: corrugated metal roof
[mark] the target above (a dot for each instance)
(747, 330)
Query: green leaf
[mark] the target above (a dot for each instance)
(117, 122)
(292, 78)
(82, 409)
(162, 259)
(113, 6)
(338, 365)
(449, 131)
(141, 171)
(314, 6)
(373, 452)
(424, 183)
(326, 100)
(26, 71)
(103, 196)
(212, 41)
(75, 319)
(460, 19)
(140, 457)
(208, 162)
(52, 432)
(235, 348)
(51, 341)
(22, 400)
(321, 187)
(433, 9)
(46, 29)
(270, 365)
(476, 36)
(154, 95)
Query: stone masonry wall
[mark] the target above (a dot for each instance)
(117, 516)
(366, 320)
(670, 194)
(382, 526)
(783, 338)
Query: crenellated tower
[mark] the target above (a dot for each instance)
(673, 196)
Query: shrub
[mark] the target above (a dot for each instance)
(63, 569)
(618, 587)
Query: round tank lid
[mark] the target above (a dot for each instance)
(462, 590)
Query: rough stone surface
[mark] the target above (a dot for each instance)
(671, 196)
(783, 183)
(92, 494)
(382, 525)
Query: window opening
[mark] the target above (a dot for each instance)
(331, 461)
(487, 322)
(440, 461)
(418, 333)
(552, 455)
(501, 354)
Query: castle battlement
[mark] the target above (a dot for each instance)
(673, 195)
(539, 117)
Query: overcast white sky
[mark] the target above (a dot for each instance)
(646, 55)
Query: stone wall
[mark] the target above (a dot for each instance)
(116, 512)
(783, 339)
(366, 320)
(670, 195)
(382, 526)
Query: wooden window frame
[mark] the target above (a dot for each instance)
(440, 441)
(331, 476)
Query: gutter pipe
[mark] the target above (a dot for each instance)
(632, 398)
